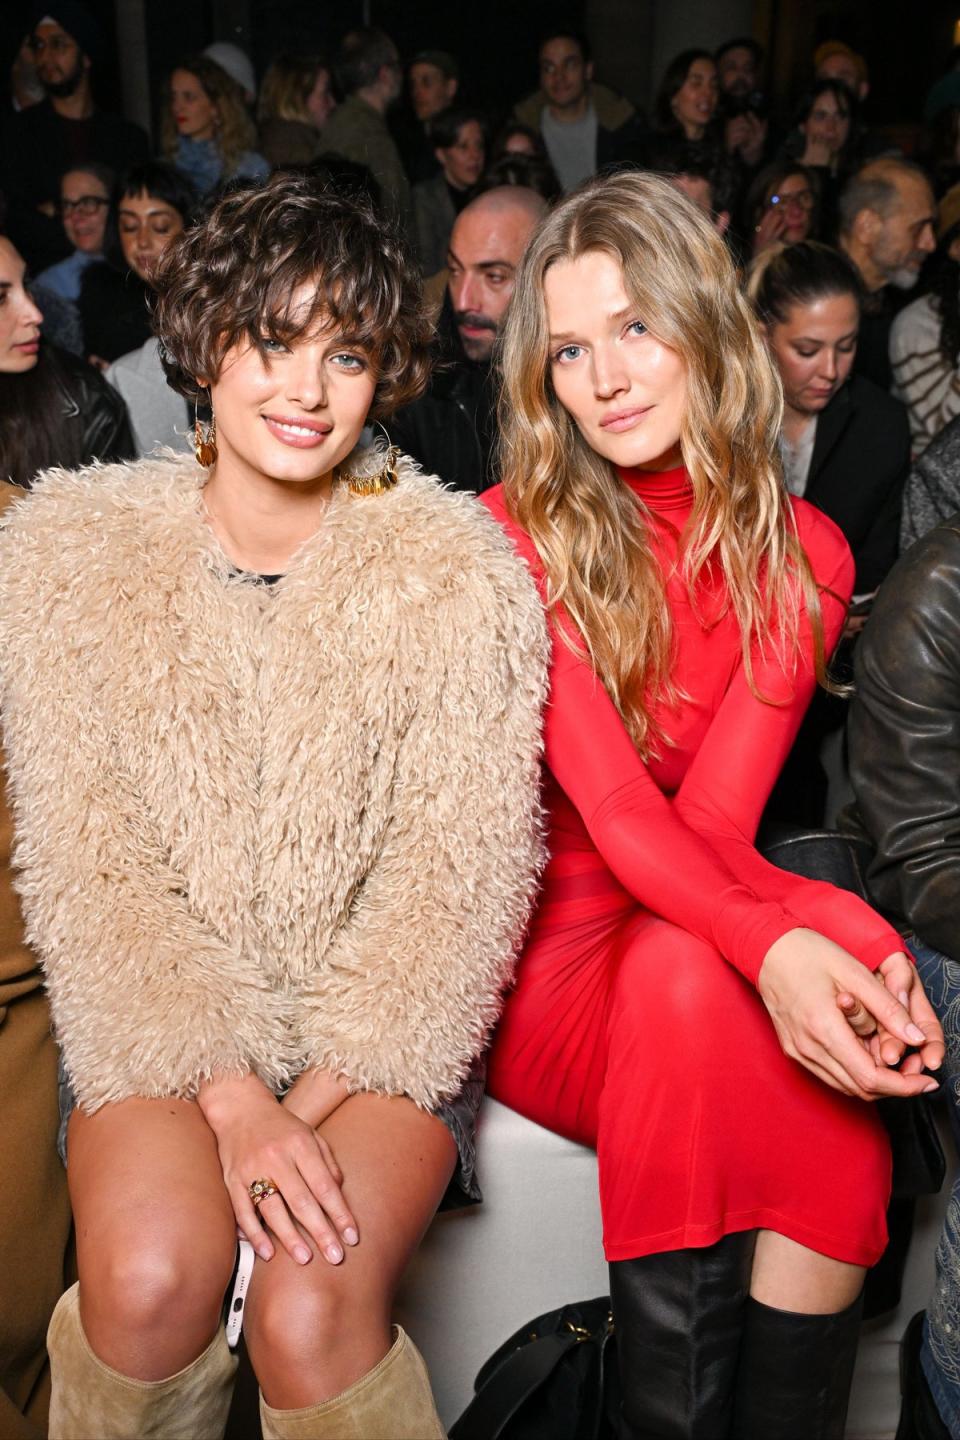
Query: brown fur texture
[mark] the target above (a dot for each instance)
(266, 828)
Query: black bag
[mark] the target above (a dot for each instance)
(919, 1166)
(555, 1379)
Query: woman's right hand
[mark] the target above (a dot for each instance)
(801, 979)
(773, 222)
(258, 1138)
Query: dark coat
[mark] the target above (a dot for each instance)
(904, 740)
(95, 423)
(450, 430)
(434, 213)
(113, 311)
(859, 465)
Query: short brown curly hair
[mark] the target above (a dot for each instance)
(231, 279)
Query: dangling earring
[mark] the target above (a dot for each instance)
(204, 439)
(379, 481)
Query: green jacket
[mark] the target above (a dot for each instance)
(358, 132)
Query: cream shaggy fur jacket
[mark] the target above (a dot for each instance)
(266, 828)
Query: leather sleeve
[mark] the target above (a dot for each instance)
(904, 739)
(106, 433)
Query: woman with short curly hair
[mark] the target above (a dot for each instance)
(272, 718)
(206, 130)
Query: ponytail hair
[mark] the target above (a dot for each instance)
(783, 276)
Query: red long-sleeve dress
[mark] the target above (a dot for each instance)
(635, 1025)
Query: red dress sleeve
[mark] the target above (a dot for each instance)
(645, 841)
(729, 780)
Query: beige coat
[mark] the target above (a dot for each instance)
(269, 828)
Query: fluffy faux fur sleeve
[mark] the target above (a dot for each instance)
(147, 997)
(415, 978)
(267, 828)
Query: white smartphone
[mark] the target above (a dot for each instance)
(238, 1292)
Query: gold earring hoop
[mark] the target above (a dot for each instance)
(204, 439)
(377, 482)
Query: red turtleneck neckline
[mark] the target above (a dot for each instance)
(659, 489)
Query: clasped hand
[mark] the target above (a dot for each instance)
(847, 1025)
(259, 1138)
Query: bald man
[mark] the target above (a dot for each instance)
(887, 219)
(451, 429)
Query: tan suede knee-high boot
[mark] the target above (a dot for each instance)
(89, 1399)
(392, 1402)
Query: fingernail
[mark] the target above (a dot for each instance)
(334, 1254)
(914, 1033)
(903, 998)
(265, 1252)
(930, 1088)
(301, 1254)
(351, 1236)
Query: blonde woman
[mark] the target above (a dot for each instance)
(711, 1024)
(296, 99)
(207, 132)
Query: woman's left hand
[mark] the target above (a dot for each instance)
(900, 978)
(801, 982)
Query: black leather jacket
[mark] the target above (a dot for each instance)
(904, 741)
(95, 421)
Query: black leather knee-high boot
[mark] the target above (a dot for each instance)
(795, 1373)
(678, 1319)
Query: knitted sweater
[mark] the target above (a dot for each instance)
(923, 377)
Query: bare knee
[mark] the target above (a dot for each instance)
(312, 1332)
(150, 1305)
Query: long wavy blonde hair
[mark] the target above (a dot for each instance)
(589, 530)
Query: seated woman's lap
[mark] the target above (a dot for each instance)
(638, 1038)
(156, 1241)
(331, 1323)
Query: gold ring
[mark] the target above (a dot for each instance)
(261, 1190)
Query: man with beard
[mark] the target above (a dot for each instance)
(63, 132)
(887, 218)
(451, 429)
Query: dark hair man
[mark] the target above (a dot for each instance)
(369, 73)
(451, 429)
(433, 79)
(63, 131)
(585, 125)
(887, 219)
(743, 105)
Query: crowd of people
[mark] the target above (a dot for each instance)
(287, 812)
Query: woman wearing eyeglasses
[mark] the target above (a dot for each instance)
(782, 206)
(84, 207)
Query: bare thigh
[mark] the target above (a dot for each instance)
(313, 1329)
(156, 1236)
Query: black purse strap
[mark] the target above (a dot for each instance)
(520, 1376)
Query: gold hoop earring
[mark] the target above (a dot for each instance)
(205, 439)
(378, 482)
